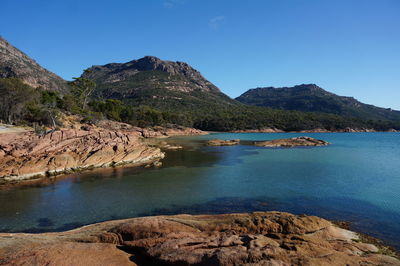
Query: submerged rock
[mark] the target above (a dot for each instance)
(220, 142)
(163, 145)
(263, 238)
(292, 142)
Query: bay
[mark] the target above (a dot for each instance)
(355, 179)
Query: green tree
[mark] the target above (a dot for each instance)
(82, 89)
(14, 97)
(50, 102)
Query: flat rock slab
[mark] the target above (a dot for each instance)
(292, 142)
(26, 155)
(263, 238)
(220, 142)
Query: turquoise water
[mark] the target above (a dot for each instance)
(356, 179)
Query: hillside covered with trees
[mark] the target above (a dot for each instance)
(312, 98)
(22, 104)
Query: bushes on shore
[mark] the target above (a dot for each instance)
(231, 118)
(16, 98)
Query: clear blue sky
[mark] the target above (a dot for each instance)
(349, 47)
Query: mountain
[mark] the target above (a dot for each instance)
(157, 83)
(177, 93)
(16, 64)
(311, 98)
(152, 92)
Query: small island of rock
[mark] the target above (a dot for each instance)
(220, 142)
(292, 142)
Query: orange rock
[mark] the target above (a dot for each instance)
(263, 238)
(220, 142)
(67, 253)
(25, 155)
(291, 142)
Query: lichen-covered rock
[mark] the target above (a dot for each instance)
(292, 142)
(67, 254)
(25, 155)
(263, 238)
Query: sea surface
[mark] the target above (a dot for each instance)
(356, 179)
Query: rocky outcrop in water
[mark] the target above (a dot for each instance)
(264, 238)
(163, 145)
(292, 142)
(220, 142)
(26, 155)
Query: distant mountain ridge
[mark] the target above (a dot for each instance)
(16, 64)
(312, 98)
(155, 82)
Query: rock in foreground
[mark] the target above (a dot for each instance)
(264, 238)
(220, 142)
(292, 142)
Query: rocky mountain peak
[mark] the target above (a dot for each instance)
(311, 86)
(146, 73)
(16, 64)
(149, 63)
(297, 89)
(150, 59)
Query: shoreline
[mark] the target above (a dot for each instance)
(25, 156)
(145, 136)
(382, 245)
(347, 130)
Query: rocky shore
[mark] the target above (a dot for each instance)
(345, 130)
(291, 142)
(26, 155)
(262, 130)
(316, 130)
(264, 238)
(151, 132)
